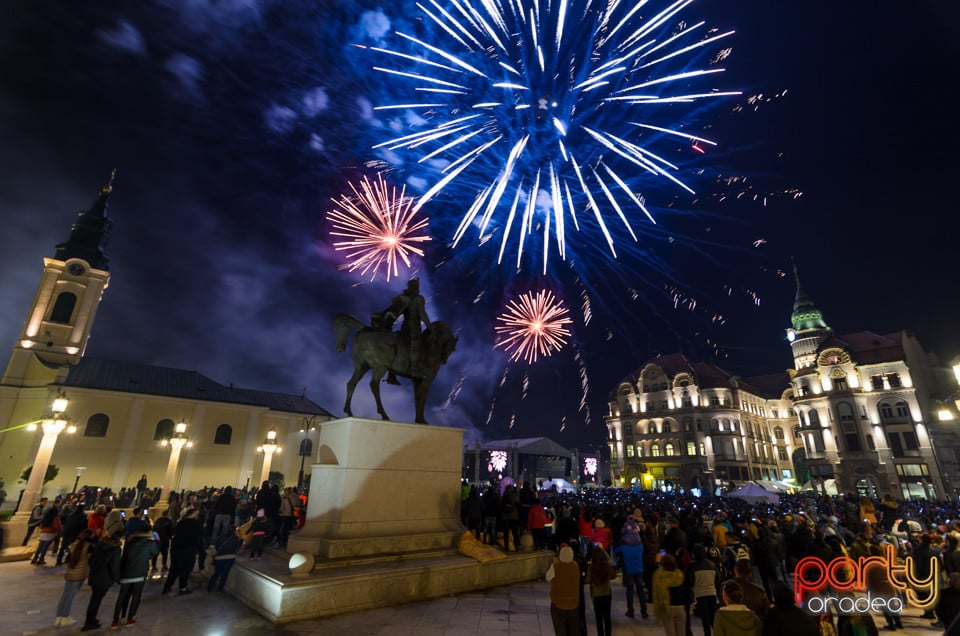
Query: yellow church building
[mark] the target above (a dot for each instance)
(107, 422)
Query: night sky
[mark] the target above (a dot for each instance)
(233, 123)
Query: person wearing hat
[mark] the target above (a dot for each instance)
(564, 579)
(258, 534)
(186, 544)
(601, 534)
(630, 551)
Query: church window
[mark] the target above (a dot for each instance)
(63, 308)
(164, 430)
(97, 425)
(223, 434)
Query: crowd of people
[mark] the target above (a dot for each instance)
(722, 560)
(92, 535)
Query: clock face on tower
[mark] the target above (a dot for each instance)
(76, 269)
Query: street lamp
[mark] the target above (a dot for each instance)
(176, 442)
(53, 423)
(80, 470)
(306, 446)
(268, 448)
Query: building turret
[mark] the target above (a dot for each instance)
(808, 329)
(59, 321)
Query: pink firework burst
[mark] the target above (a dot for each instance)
(533, 325)
(377, 226)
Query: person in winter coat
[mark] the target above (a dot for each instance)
(76, 574)
(49, 528)
(510, 516)
(536, 524)
(138, 550)
(491, 514)
(186, 544)
(564, 579)
(632, 556)
(104, 570)
(227, 549)
(703, 579)
(258, 535)
(785, 618)
(473, 511)
(735, 618)
(601, 534)
(878, 584)
(599, 573)
(163, 526)
(668, 596)
(75, 523)
(754, 596)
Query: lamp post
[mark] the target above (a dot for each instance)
(80, 470)
(306, 446)
(53, 423)
(268, 448)
(176, 442)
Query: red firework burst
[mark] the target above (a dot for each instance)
(377, 227)
(533, 325)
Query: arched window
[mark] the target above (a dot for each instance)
(639, 450)
(97, 425)
(655, 450)
(814, 419)
(164, 430)
(714, 425)
(844, 412)
(902, 409)
(63, 308)
(628, 430)
(778, 432)
(735, 426)
(223, 434)
(668, 450)
(886, 411)
(724, 424)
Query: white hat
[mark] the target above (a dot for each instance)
(566, 554)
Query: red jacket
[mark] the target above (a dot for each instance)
(603, 536)
(537, 517)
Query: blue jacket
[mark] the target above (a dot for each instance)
(632, 558)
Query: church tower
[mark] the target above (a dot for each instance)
(808, 329)
(59, 321)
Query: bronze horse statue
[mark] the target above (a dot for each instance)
(382, 350)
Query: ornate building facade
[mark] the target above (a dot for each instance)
(107, 422)
(857, 412)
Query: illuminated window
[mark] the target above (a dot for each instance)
(691, 448)
(668, 450)
(655, 450)
(639, 450)
(629, 450)
(703, 449)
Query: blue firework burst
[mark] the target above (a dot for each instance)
(549, 114)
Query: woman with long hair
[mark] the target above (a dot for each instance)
(600, 573)
(76, 574)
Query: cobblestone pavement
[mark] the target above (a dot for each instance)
(31, 593)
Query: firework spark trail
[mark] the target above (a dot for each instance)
(548, 107)
(584, 388)
(378, 227)
(455, 391)
(532, 326)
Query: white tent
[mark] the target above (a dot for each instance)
(754, 494)
(562, 485)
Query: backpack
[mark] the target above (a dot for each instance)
(630, 534)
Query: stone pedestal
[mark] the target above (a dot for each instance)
(380, 488)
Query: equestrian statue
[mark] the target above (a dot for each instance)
(411, 352)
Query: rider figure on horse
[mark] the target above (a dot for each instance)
(412, 306)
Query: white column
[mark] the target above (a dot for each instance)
(176, 445)
(31, 493)
(267, 460)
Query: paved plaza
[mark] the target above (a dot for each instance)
(31, 593)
